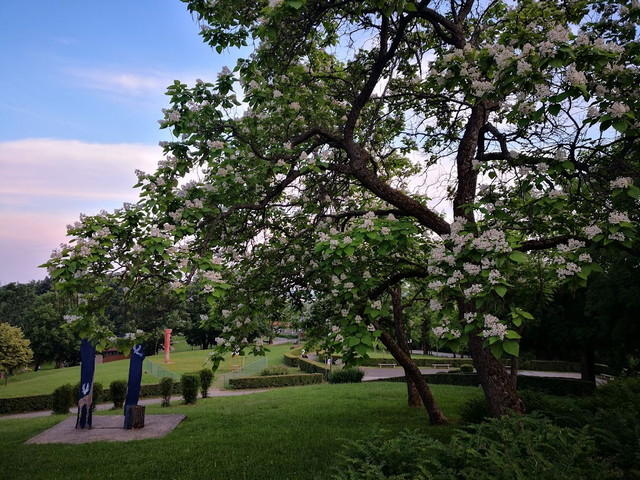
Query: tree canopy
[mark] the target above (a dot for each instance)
(463, 150)
(14, 350)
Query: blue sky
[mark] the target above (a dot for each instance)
(82, 88)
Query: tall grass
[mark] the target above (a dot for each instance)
(285, 434)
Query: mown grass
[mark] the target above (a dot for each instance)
(47, 380)
(285, 434)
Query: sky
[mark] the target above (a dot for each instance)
(81, 92)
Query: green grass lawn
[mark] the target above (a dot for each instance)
(47, 380)
(284, 434)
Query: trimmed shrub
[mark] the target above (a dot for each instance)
(346, 375)
(206, 379)
(550, 365)
(45, 402)
(311, 366)
(118, 391)
(190, 383)
(153, 390)
(557, 386)
(166, 388)
(466, 368)
(62, 399)
(500, 449)
(276, 381)
(26, 404)
(98, 394)
(274, 370)
(291, 359)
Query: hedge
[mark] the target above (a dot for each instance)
(557, 386)
(539, 365)
(45, 402)
(550, 366)
(310, 366)
(551, 385)
(291, 360)
(26, 404)
(276, 381)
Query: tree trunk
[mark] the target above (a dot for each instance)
(425, 337)
(587, 364)
(499, 389)
(436, 417)
(413, 395)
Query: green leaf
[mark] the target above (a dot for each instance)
(297, 4)
(518, 256)
(620, 125)
(353, 341)
(511, 347)
(500, 290)
(554, 109)
(497, 350)
(512, 335)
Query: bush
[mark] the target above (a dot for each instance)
(276, 381)
(166, 389)
(475, 410)
(98, 394)
(26, 404)
(62, 399)
(274, 370)
(612, 416)
(466, 368)
(557, 386)
(118, 392)
(206, 379)
(190, 383)
(291, 359)
(346, 375)
(501, 449)
(310, 366)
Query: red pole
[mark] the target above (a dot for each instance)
(167, 344)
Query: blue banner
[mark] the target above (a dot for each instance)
(87, 369)
(135, 376)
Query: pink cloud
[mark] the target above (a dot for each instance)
(45, 184)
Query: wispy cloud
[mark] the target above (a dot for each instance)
(121, 81)
(45, 184)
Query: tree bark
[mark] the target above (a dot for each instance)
(436, 417)
(413, 395)
(499, 389)
(587, 364)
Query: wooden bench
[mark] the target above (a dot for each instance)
(606, 376)
(391, 365)
(441, 365)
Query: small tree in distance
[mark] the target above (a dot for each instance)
(15, 353)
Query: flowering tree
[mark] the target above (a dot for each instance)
(312, 173)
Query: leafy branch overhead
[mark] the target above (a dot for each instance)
(463, 150)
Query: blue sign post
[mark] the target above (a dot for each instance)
(133, 385)
(87, 369)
